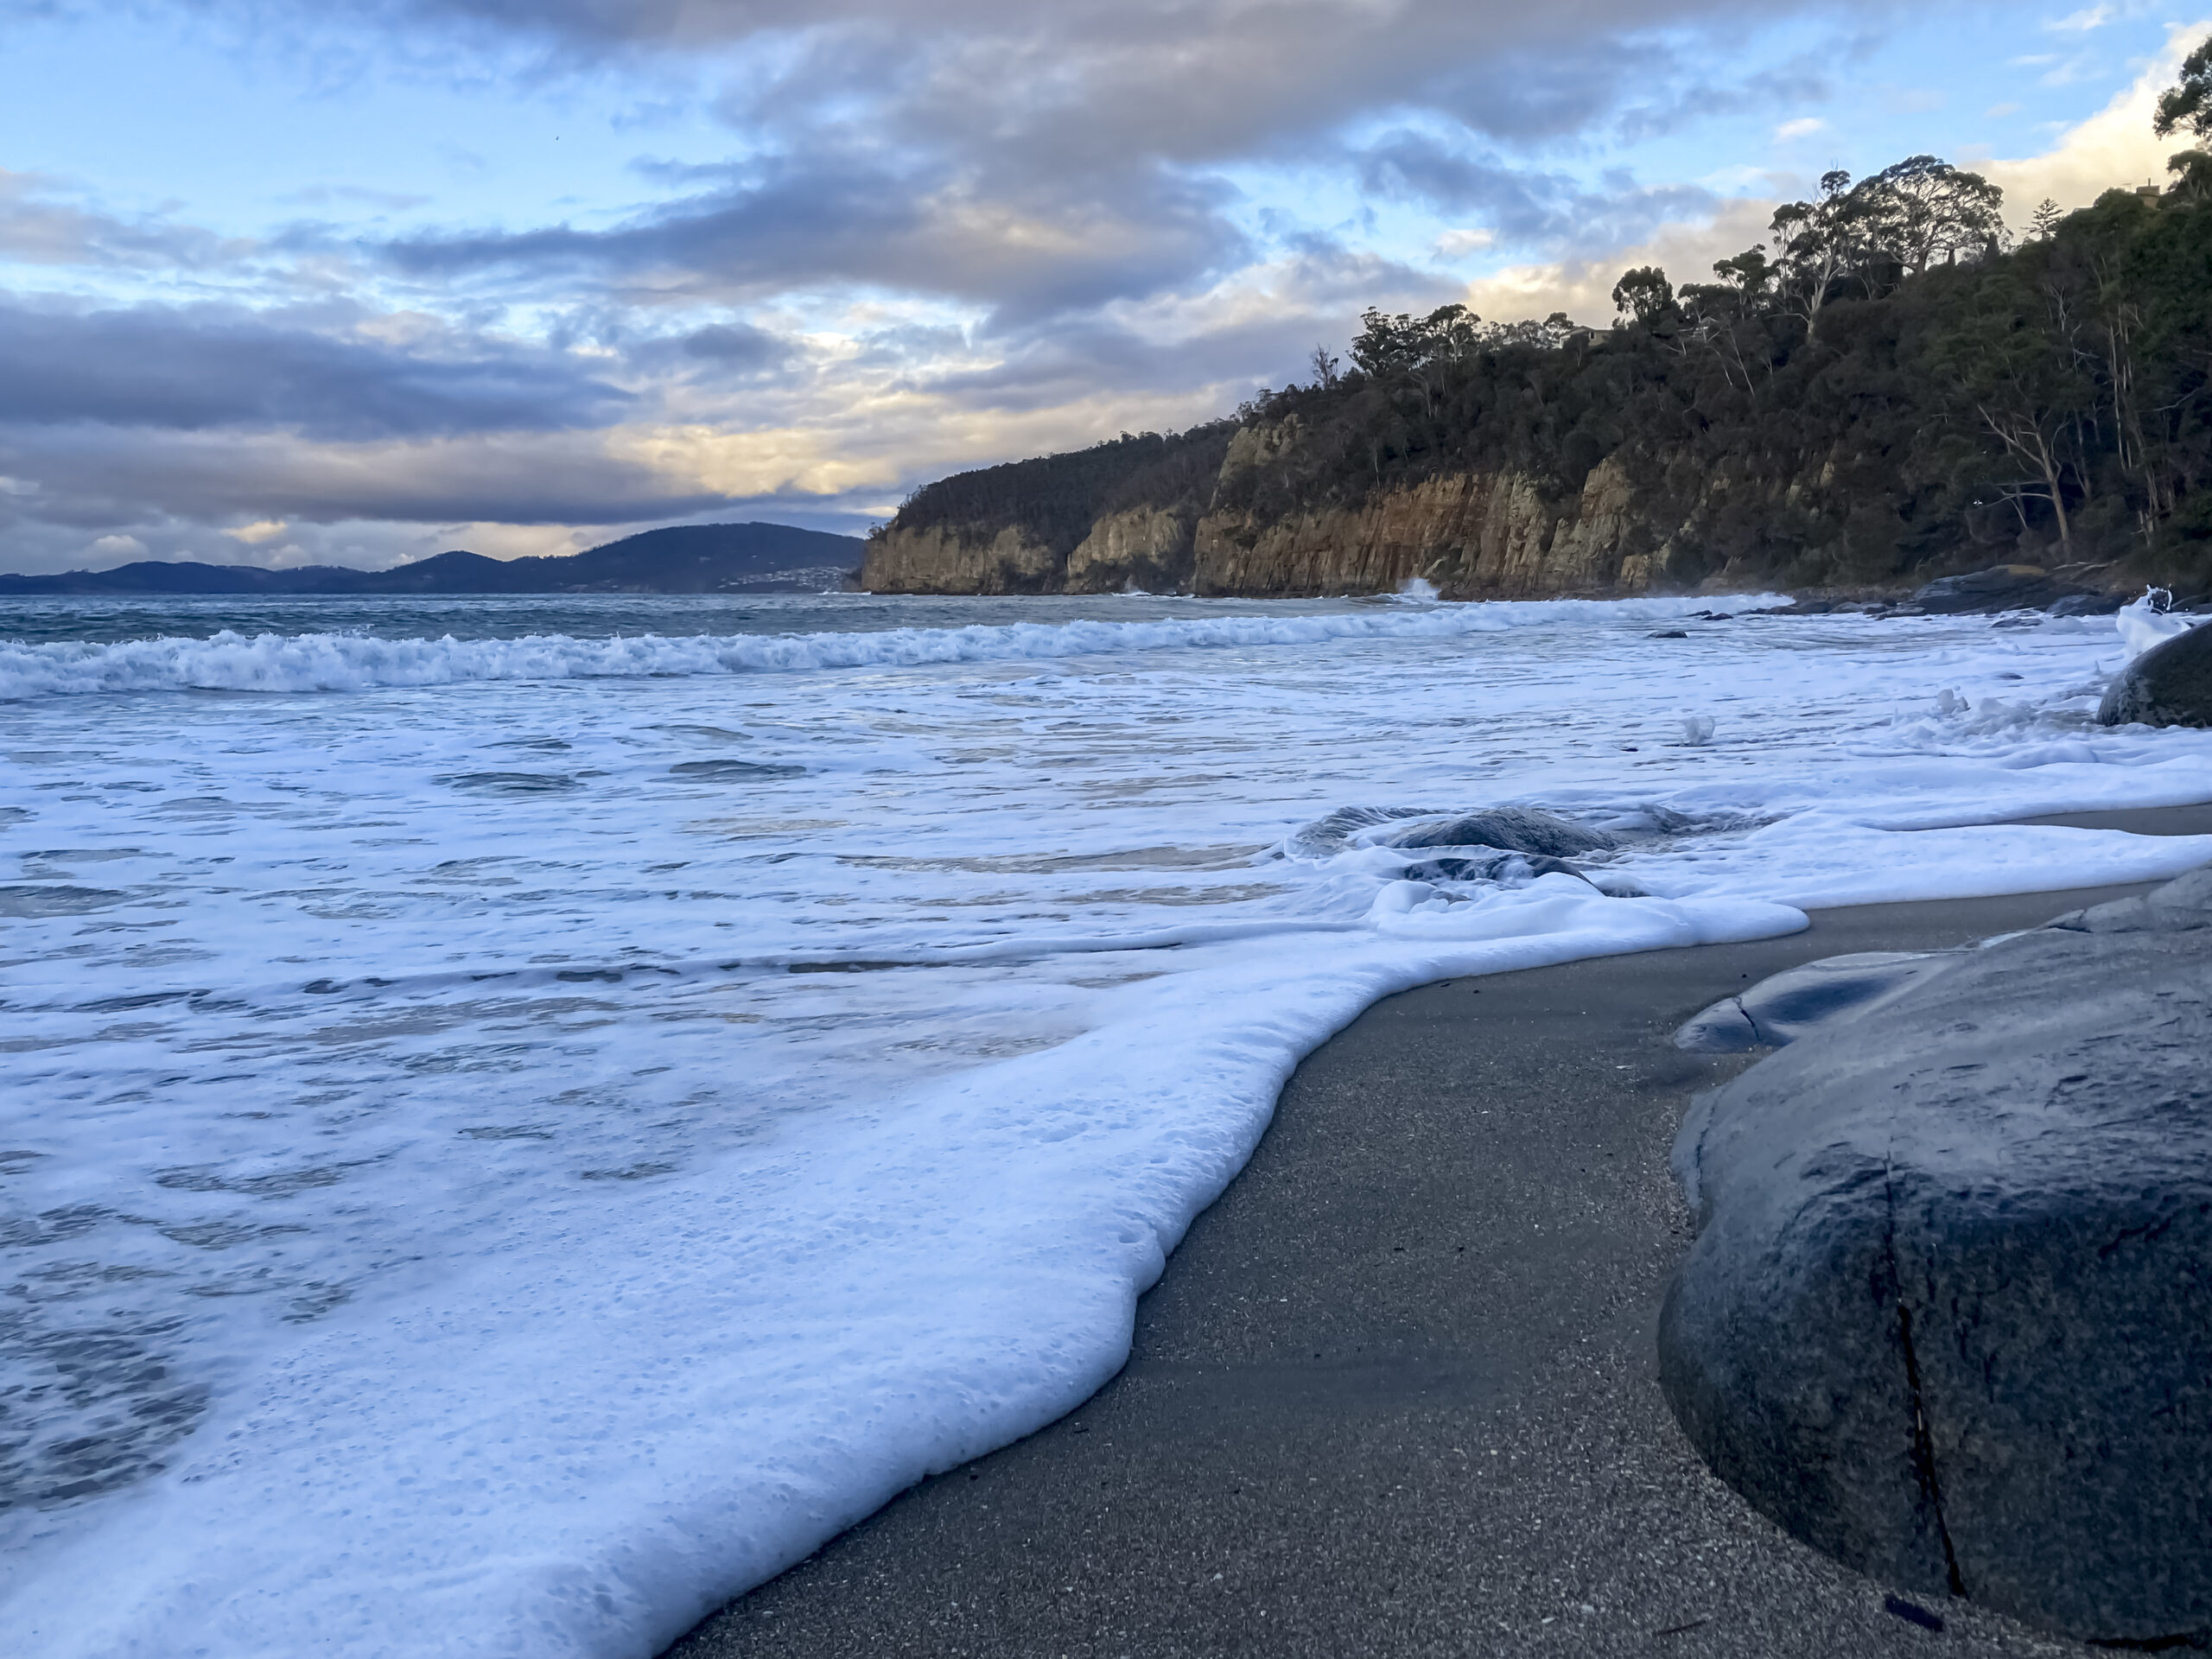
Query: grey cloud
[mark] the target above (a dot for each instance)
(39, 226)
(897, 223)
(209, 367)
(95, 477)
(737, 344)
(1529, 206)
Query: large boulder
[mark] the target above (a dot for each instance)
(2169, 684)
(1949, 1314)
(1786, 1006)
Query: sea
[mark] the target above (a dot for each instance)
(521, 1117)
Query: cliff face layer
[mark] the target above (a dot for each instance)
(1499, 534)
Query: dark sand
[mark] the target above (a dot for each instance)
(1395, 1392)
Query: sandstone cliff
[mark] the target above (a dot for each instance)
(1475, 535)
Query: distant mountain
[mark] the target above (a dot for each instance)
(681, 559)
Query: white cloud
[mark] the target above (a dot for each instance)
(1998, 111)
(119, 547)
(1584, 288)
(2113, 147)
(267, 529)
(1458, 244)
(2083, 22)
(1804, 127)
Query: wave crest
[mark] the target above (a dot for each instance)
(345, 662)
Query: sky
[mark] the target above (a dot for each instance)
(359, 281)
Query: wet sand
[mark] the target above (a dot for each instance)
(1397, 1392)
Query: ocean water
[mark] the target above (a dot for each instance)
(518, 1118)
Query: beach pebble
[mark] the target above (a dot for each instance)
(1945, 1317)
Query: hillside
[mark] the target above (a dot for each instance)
(1883, 394)
(681, 559)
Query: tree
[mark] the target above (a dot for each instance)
(1325, 366)
(1816, 243)
(2024, 386)
(1922, 211)
(2192, 176)
(2189, 103)
(1748, 273)
(2045, 223)
(1643, 294)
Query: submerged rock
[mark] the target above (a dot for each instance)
(1948, 1315)
(2169, 684)
(1509, 829)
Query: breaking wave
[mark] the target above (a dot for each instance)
(350, 662)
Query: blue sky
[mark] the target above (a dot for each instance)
(360, 282)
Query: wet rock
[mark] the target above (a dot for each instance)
(1511, 868)
(1945, 1314)
(2169, 684)
(2000, 587)
(2088, 604)
(1788, 1006)
(1509, 829)
(1668, 633)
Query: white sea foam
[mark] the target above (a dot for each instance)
(524, 1157)
(2143, 626)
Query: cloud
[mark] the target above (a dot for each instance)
(1582, 285)
(2083, 22)
(1520, 204)
(2114, 147)
(213, 367)
(41, 226)
(1804, 127)
(868, 217)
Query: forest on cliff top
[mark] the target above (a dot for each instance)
(1892, 388)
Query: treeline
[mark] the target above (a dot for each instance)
(1888, 386)
(1056, 498)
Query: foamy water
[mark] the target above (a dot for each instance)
(512, 1138)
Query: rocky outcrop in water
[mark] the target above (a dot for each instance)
(1945, 1314)
(2169, 684)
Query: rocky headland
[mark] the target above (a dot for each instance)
(1850, 420)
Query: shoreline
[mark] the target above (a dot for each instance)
(1396, 1390)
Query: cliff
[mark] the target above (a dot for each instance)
(2050, 406)
(1504, 532)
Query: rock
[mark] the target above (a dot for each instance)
(1509, 829)
(1949, 1314)
(2000, 587)
(2086, 604)
(1668, 633)
(2169, 684)
(1789, 1006)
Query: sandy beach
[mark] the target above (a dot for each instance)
(1396, 1392)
